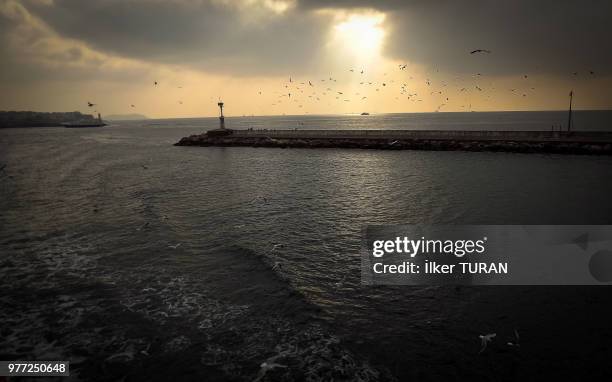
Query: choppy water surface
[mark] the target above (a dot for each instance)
(140, 260)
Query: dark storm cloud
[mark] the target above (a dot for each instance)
(525, 36)
(205, 35)
(549, 36)
(31, 54)
(13, 67)
(556, 37)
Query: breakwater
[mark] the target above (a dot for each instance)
(586, 142)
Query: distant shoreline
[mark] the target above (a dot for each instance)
(27, 119)
(126, 117)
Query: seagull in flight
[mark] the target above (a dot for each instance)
(276, 246)
(518, 340)
(277, 266)
(484, 340)
(480, 51)
(265, 367)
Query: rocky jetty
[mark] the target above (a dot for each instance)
(40, 119)
(576, 144)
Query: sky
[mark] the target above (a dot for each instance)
(177, 58)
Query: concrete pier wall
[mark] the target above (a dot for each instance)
(508, 141)
(489, 135)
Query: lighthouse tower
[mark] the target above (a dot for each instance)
(221, 131)
(221, 117)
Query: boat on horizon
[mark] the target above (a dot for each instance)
(85, 123)
(365, 113)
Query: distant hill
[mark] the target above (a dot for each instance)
(40, 119)
(125, 117)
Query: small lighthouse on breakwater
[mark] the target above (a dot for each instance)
(221, 131)
(221, 117)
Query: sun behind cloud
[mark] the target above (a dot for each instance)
(360, 34)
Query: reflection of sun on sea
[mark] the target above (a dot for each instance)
(360, 36)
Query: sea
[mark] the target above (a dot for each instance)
(138, 260)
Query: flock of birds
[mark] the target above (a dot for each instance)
(328, 89)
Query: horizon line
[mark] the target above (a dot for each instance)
(372, 113)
